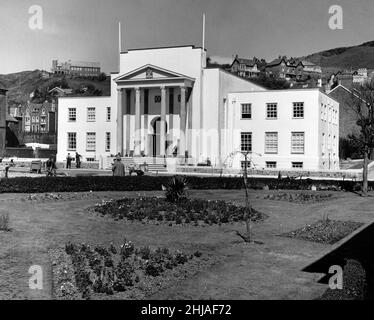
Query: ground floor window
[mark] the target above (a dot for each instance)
(297, 165)
(91, 141)
(72, 140)
(271, 164)
(90, 159)
(107, 141)
(243, 165)
(246, 141)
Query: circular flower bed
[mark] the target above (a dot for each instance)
(186, 211)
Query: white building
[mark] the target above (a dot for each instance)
(165, 103)
(284, 129)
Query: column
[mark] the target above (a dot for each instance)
(183, 116)
(119, 148)
(137, 147)
(163, 122)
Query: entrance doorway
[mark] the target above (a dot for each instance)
(156, 125)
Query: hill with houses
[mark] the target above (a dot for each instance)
(345, 58)
(35, 85)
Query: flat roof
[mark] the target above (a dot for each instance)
(163, 47)
(85, 97)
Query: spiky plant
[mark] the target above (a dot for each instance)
(176, 189)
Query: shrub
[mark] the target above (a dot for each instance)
(176, 189)
(4, 222)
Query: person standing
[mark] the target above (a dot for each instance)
(68, 161)
(51, 167)
(118, 168)
(78, 160)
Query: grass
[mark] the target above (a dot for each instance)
(237, 271)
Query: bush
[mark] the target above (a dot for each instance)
(152, 183)
(176, 189)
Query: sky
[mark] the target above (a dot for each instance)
(88, 29)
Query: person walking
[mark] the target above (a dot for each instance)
(78, 160)
(118, 168)
(69, 159)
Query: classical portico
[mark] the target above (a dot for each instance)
(150, 100)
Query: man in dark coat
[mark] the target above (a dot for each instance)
(68, 161)
(118, 168)
(78, 160)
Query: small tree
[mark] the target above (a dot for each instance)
(362, 103)
(248, 204)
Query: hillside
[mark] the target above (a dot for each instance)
(345, 58)
(21, 84)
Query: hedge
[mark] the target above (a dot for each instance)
(151, 183)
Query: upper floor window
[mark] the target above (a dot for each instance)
(271, 111)
(297, 142)
(246, 111)
(72, 114)
(108, 113)
(91, 114)
(298, 109)
(246, 141)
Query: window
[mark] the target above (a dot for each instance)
(72, 140)
(157, 99)
(271, 111)
(107, 141)
(91, 141)
(246, 141)
(90, 159)
(246, 111)
(297, 165)
(298, 109)
(297, 142)
(243, 165)
(72, 114)
(108, 114)
(271, 164)
(271, 142)
(91, 114)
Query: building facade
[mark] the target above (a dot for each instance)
(246, 68)
(166, 104)
(283, 129)
(76, 68)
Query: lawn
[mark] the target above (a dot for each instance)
(231, 269)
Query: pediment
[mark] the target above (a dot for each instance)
(150, 72)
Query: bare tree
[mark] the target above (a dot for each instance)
(248, 205)
(362, 103)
